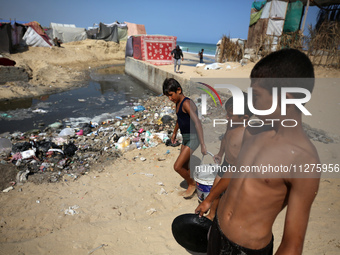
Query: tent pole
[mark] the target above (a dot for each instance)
(304, 18)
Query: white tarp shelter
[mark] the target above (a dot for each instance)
(32, 38)
(67, 32)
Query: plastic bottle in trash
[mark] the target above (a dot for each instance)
(139, 108)
(148, 135)
(131, 128)
(123, 142)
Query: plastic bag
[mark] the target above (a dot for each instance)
(66, 132)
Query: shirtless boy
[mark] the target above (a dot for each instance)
(248, 209)
(230, 148)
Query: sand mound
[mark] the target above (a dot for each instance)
(61, 68)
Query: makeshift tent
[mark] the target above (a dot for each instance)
(18, 31)
(135, 29)
(154, 49)
(268, 19)
(239, 41)
(273, 18)
(32, 38)
(293, 17)
(92, 32)
(67, 32)
(35, 36)
(39, 30)
(122, 32)
(129, 47)
(5, 38)
(108, 32)
(112, 32)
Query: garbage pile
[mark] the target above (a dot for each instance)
(65, 153)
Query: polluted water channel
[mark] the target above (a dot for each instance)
(108, 94)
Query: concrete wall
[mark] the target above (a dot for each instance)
(151, 75)
(12, 73)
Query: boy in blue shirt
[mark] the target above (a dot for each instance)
(191, 130)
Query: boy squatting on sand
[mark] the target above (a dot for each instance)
(191, 129)
(230, 147)
(252, 201)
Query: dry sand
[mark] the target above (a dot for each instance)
(122, 208)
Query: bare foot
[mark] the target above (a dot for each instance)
(189, 193)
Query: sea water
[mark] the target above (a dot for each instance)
(194, 47)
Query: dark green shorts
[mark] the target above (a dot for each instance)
(191, 140)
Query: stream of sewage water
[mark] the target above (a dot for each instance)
(107, 94)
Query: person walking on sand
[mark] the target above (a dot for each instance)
(200, 54)
(247, 210)
(191, 129)
(177, 54)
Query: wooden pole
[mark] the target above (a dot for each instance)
(304, 18)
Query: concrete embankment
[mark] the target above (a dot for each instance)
(151, 75)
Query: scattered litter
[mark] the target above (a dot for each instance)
(55, 150)
(5, 115)
(67, 132)
(148, 175)
(139, 108)
(8, 189)
(213, 66)
(151, 211)
(72, 210)
(162, 192)
(39, 111)
(27, 154)
(160, 183)
(22, 176)
(100, 246)
(60, 153)
(169, 143)
(56, 125)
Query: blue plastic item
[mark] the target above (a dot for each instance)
(139, 108)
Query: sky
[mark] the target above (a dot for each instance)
(191, 21)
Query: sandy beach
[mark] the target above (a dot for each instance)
(127, 206)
